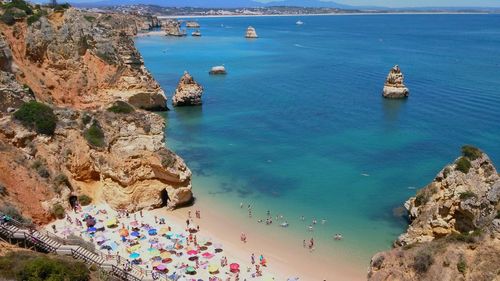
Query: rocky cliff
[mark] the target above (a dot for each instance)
(172, 27)
(82, 59)
(188, 92)
(251, 33)
(86, 133)
(455, 227)
(394, 86)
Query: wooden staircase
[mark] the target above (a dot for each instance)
(21, 235)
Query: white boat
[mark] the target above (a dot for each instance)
(299, 22)
(196, 33)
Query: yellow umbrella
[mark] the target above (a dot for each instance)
(124, 232)
(165, 255)
(112, 222)
(155, 263)
(133, 248)
(213, 268)
(163, 230)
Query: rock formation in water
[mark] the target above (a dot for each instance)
(173, 28)
(394, 87)
(192, 24)
(251, 33)
(83, 60)
(455, 227)
(218, 70)
(188, 92)
(85, 67)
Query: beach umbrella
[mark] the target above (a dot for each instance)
(163, 231)
(152, 231)
(155, 264)
(111, 244)
(91, 229)
(192, 252)
(133, 248)
(134, 223)
(207, 255)
(169, 234)
(161, 267)
(123, 232)
(190, 270)
(165, 255)
(135, 234)
(218, 250)
(213, 268)
(234, 267)
(112, 222)
(167, 260)
(193, 258)
(153, 252)
(134, 255)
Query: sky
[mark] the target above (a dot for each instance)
(393, 3)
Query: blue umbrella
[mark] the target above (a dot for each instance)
(135, 233)
(91, 229)
(152, 232)
(134, 256)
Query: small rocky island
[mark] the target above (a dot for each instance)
(188, 92)
(251, 33)
(394, 87)
(455, 227)
(192, 24)
(218, 70)
(173, 28)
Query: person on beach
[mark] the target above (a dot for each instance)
(140, 212)
(323, 221)
(156, 219)
(253, 258)
(304, 243)
(302, 218)
(241, 205)
(189, 214)
(54, 228)
(310, 228)
(187, 222)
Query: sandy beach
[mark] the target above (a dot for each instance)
(285, 258)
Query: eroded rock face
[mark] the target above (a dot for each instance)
(394, 87)
(90, 58)
(129, 171)
(188, 92)
(173, 28)
(454, 232)
(251, 33)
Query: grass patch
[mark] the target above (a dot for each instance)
(121, 107)
(467, 195)
(13, 212)
(463, 165)
(471, 152)
(423, 261)
(34, 266)
(84, 200)
(462, 265)
(94, 135)
(469, 238)
(89, 18)
(58, 211)
(38, 116)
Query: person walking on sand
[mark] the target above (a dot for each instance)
(140, 213)
(253, 258)
(187, 222)
(304, 243)
(189, 214)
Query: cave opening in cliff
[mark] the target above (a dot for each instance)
(72, 201)
(164, 198)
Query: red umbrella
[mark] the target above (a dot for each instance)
(234, 267)
(192, 252)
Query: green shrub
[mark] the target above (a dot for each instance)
(95, 136)
(3, 190)
(121, 107)
(8, 18)
(26, 265)
(13, 212)
(469, 238)
(498, 215)
(62, 7)
(467, 194)
(19, 4)
(84, 200)
(423, 261)
(40, 167)
(471, 152)
(38, 116)
(462, 265)
(61, 179)
(463, 165)
(89, 18)
(86, 118)
(34, 18)
(58, 211)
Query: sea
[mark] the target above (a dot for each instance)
(298, 126)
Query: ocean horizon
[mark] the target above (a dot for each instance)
(299, 127)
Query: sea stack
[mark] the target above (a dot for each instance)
(216, 70)
(192, 24)
(188, 92)
(173, 28)
(394, 87)
(251, 33)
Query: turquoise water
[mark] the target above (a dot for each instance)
(299, 127)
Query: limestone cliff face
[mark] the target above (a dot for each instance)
(173, 28)
(394, 87)
(80, 64)
(455, 227)
(188, 92)
(130, 170)
(83, 60)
